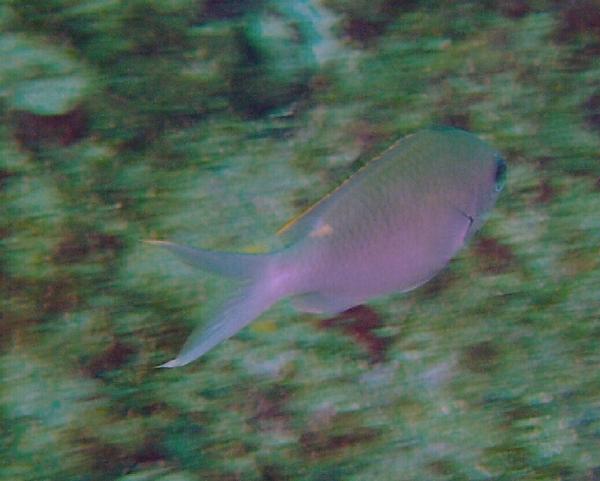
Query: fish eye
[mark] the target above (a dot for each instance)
(500, 176)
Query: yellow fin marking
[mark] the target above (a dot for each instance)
(322, 231)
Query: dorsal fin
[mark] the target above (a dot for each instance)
(306, 221)
(303, 223)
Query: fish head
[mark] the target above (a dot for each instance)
(488, 180)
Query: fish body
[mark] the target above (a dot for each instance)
(389, 228)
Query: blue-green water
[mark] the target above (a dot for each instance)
(213, 123)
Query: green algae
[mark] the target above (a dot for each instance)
(491, 371)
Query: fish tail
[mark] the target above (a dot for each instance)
(251, 301)
(264, 283)
(227, 264)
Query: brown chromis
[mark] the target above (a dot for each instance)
(389, 228)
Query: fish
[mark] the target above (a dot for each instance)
(390, 227)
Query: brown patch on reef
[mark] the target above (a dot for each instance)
(364, 30)
(77, 246)
(579, 24)
(592, 111)
(23, 306)
(514, 8)
(70, 249)
(366, 134)
(544, 162)
(364, 25)
(436, 285)
(320, 82)
(271, 404)
(496, 257)
(113, 460)
(103, 457)
(458, 120)
(4, 176)
(60, 295)
(32, 131)
(546, 192)
(272, 472)
(112, 358)
(221, 9)
(480, 357)
(518, 412)
(593, 474)
(442, 467)
(320, 444)
(149, 453)
(359, 322)
(270, 409)
(579, 16)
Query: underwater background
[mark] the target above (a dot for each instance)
(212, 123)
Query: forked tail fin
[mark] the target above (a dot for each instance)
(257, 295)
